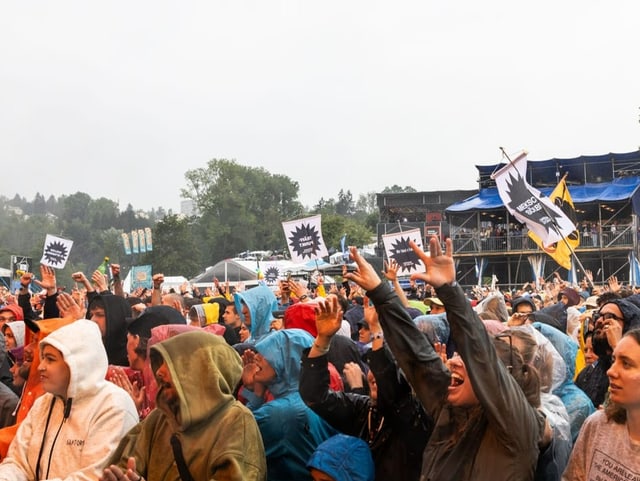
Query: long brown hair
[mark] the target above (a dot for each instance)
(615, 412)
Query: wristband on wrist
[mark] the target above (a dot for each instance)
(303, 297)
(378, 335)
(323, 350)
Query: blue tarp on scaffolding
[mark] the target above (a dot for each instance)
(616, 190)
(590, 178)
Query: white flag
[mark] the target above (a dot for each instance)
(304, 239)
(56, 252)
(396, 246)
(529, 206)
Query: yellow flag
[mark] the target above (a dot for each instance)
(559, 251)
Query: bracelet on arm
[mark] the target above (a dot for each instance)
(378, 335)
(303, 297)
(323, 350)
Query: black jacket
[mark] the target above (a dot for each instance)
(396, 429)
(493, 441)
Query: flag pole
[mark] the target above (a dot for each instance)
(512, 163)
(546, 211)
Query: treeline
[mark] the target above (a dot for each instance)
(238, 208)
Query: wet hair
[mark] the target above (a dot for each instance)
(613, 411)
(525, 375)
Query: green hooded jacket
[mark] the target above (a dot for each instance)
(219, 436)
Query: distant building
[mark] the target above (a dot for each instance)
(422, 210)
(188, 208)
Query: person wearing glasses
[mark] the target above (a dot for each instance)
(485, 399)
(608, 446)
(615, 317)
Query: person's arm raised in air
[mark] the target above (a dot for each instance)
(504, 403)
(391, 273)
(420, 363)
(345, 412)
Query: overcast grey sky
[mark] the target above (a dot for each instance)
(120, 98)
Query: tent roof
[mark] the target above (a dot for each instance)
(235, 270)
(617, 190)
(590, 178)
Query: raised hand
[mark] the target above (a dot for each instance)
(440, 268)
(391, 270)
(99, 280)
(328, 317)
(365, 275)
(48, 282)
(371, 316)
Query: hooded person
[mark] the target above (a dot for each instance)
(493, 307)
(111, 313)
(567, 298)
(579, 406)
(290, 430)
(32, 388)
(158, 334)
(255, 307)
(14, 331)
(217, 436)
(302, 315)
(342, 458)
(12, 312)
(203, 314)
(616, 317)
(138, 334)
(74, 427)
(8, 392)
(390, 419)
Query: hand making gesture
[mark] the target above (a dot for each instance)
(328, 322)
(440, 268)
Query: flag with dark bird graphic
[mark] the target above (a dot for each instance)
(529, 206)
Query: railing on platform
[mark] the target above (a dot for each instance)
(623, 237)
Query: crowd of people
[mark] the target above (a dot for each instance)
(360, 380)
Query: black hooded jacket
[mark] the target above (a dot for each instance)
(593, 380)
(116, 310)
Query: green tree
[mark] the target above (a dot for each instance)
(175, 248)
(394, 189)
(241, 207)
(345, 205)
(39, 205)
(75, 207)
(103, 213)
(335, 226)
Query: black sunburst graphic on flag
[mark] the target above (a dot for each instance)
(570, 212)
(271, 275)
(55, 253)
(520, 195)
(403, 254)
(305, 241)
